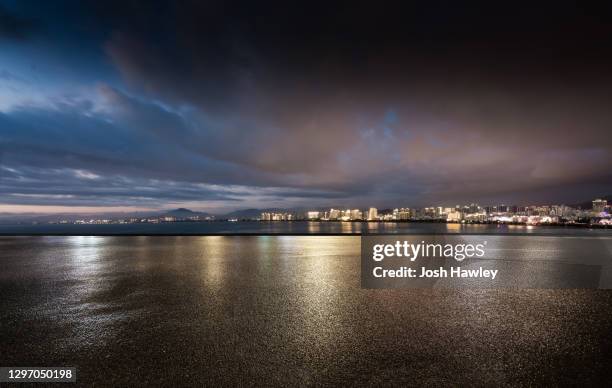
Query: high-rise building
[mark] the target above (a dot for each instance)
(403, 214)
(454, 216)
(334, 214)
(599, 205)
(312, 215)
(430, 212)
(372, 214)
(267, 216)
(356, 214)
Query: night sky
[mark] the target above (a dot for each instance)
(224, 105)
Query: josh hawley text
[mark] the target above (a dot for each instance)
(453, 272)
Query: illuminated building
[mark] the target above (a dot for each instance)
(313, 215)
(266, 216)
(403, 214)
(334, 214)
(454, 216)
(599, 205)
(372, 214)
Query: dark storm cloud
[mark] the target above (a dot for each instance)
(357, 102)
(13, 26)
(477, 93)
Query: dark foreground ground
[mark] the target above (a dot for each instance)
(136, 311)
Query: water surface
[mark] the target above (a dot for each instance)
(290, 227)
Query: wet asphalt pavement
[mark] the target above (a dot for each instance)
(145, 311)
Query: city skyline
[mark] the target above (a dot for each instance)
(597, 212)
(139, 107)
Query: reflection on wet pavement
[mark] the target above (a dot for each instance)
(278, 310)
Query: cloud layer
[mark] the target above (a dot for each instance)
(231, 106)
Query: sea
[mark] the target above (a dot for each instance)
(290, 227)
